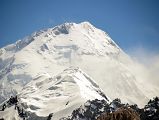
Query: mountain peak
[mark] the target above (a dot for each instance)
(63, 28)
(55, 49)
(66, 27)
(83, 29)
(86, 24)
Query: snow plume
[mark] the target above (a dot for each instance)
(147, 66)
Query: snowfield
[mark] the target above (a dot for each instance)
(60, 94)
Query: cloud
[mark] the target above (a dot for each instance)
(145, 56)
(147, 67)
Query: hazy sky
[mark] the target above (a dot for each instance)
(131, 23)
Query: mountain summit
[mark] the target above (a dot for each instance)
(52, 50)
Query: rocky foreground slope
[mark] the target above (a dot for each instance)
(90, 110)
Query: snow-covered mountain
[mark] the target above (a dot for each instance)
(80, 45)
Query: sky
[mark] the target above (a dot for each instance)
(132, 24)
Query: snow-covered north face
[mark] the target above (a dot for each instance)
(80, 45)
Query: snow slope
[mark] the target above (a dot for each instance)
(9, 114)
(60, 94)
(80, 45)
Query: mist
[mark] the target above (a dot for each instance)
(147, 68)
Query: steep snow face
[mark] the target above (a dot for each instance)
(60, 94)
(81, 45)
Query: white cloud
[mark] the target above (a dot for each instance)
(148, 64)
